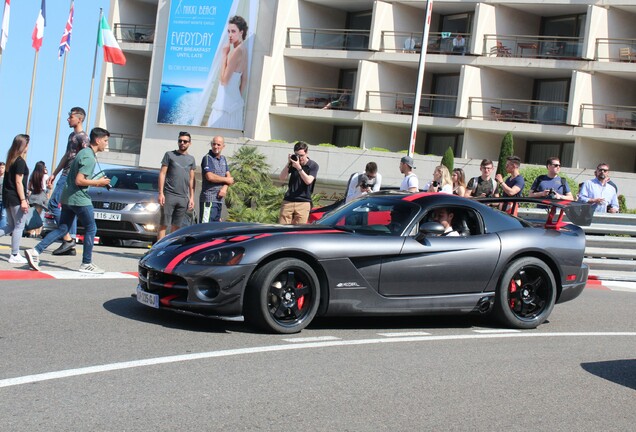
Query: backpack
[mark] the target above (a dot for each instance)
(475, 181)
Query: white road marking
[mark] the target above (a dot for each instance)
(404, 334)
(312, 339)
(495, 331)
(10, 382)
(620, 286)
(65, 274)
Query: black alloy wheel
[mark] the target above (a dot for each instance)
(282, 296)
(526, 294)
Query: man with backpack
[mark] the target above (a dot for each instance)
(483, 185)
(551, 185)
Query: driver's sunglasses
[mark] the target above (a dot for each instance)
(603, 169)
(183, 141)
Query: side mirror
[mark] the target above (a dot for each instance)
(434, 228)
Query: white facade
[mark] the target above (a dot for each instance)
(558, 74)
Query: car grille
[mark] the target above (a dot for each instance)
(115, 225)
(158, 282)
(109, 205)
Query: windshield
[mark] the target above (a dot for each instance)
(133, 180)
(373, 215)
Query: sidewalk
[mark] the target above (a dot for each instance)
(110, 258)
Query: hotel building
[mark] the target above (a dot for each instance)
(559, 74)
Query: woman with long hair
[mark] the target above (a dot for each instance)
(14, 195)
(441, 181)
(38, 193)
(459, 182)
(227, 110)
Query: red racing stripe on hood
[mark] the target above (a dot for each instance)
(176, 260)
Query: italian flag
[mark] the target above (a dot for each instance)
(106, 39)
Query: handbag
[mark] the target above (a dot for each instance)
(33, 220)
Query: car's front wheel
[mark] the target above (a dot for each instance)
(282, 296)
(526, 294)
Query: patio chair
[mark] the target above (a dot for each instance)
(626, 54)
(500, 50)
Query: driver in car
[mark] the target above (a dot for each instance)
(445, 217)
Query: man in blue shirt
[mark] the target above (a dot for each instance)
(216, 178)
(599, 192)
(514, 183)
(551, 185)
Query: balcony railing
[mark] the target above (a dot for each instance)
(135, 33)
(623, 50)
(126, 87)
(518, 110)
(608, 116)
(122, 143)
(333, 39)
(312, 97)
(437, 42)
(552, 47)
(403, 103)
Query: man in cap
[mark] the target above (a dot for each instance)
(410, 182)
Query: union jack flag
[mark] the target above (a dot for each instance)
(65, 43)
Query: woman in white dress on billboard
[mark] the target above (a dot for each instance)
(227, 110)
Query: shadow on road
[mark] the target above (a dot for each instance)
(621, 372)
(127, 307)
(402, 322)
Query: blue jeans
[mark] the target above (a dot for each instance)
(3, 216)
(68, 218)
(54, 204)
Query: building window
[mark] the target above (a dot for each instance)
(443, 85)
(539, 151)
(551, 90)
(344, 136)
(437, 144)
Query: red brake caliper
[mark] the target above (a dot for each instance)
(301, 299)
(512, 289)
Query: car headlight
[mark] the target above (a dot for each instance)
(224, 257)
(148, 207)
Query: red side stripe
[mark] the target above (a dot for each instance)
(189, 252)
(314, 232)
(240, 238)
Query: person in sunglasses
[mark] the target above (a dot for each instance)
(599, 192)
(550, 185)
(176, 185)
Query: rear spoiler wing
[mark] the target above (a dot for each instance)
(577, 212)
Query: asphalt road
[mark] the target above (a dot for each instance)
(80, 355)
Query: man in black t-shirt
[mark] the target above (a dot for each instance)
(302, 174)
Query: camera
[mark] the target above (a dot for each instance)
(365, 182)
(551, 193)
(434, 183)
(294, 157)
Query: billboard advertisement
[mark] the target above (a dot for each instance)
(207, 62)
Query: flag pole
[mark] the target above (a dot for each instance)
(90, 97)
(420, 76)
(59, 106)
(35, 67)
(59, 113)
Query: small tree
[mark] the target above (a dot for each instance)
(253, 196)
(448, 160)
(507, 150)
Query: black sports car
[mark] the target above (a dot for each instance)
(381, 254)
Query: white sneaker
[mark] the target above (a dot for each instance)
(91, 268)
(33, 258)
(17, 259)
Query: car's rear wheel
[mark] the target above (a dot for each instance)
(526, 294)
(282, 296)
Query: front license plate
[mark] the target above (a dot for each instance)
(148, 299)
(107, 216)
